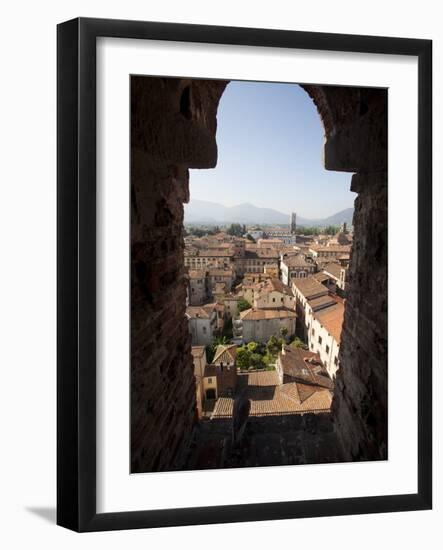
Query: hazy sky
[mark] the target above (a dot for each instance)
(270, 146)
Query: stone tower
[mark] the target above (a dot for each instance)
(292, 223)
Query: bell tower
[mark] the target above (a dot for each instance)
(292, 223)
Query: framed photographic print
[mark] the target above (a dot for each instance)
(244, 274)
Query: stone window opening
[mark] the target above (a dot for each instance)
(354, 121)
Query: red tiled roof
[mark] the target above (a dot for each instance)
(269, 398)
(278, 286)
(254, 314)
(297, 260)
(332, 319)
(304, 367)
(225, 353)
(320, 277)
(321, 302)
(333, 269)
(197, 312)
(309, 287)
(332, 248)
(217, 272)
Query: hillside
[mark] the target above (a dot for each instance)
(205, 212)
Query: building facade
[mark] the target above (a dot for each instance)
(199, 359)
(198, 288)
(202, 324)
(273, 293)
(325, 335)
(258, 325)
(295, 266)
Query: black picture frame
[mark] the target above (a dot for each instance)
(76, 280)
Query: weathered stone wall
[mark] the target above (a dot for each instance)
(355, 122)
(173, 128)
(360, 401)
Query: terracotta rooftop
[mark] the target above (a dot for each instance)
(225, 353)
(297, 260)
(269, 398)
(333, 269)
(254, 314)
(277, 286)
(320, 277)
(197, 273)
(230, 297)
(217, 272)
(197, 312)
(209, 308)
(309, 287)
(248, 284)
(304, 367)
(333, 248)
(269, 242)
(322, 302)
(219, 251)
(332, 319)
(262, 253)
(249, 277)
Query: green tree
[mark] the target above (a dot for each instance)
(256, 360)
(297, 343)
(243, 357)
(209, 353)
(220, 341)
(284, 332)
(307, 230)
(331, 230)
(197, 232)
(236, 229)
(274, 345)
(243, 304)
(252, 347)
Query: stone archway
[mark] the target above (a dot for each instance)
(173, 129)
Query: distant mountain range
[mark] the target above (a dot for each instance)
(211, 213)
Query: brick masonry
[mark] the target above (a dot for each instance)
(173, 128)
